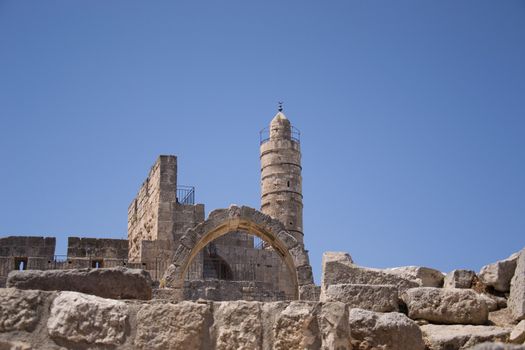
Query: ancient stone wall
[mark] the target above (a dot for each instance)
(25, 252)
(156, 219)
(96, 252)
(143, 212)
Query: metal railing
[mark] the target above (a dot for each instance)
(264, 135)
(186, 195)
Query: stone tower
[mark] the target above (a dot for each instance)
(281, 181)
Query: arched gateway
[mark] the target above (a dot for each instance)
(223, 221)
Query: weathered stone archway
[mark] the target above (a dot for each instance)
(223, 221)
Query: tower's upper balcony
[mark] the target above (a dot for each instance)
(265, 135)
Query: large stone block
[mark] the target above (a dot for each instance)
(173, 326)
(459, 279)
(19, 309)
(392, 331)
(456, 337)
(115, 283)
(449, 306)
(339, 269)
(296, 328)
(499, 274)
(517, 335)
(334, 327)
(516, 302)
(237, 325)
(497, 346)
(380, 298)
(423, 276)
(82, 318)
(309, 292)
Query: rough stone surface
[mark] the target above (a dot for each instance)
(502, 318)
(423, 276)
(499, 274)
(459, 279)
(455, 337)
(14, 345)
(338, 269)
(19, 309)
(334, 327)
(237, 325)
(296, 328)
(492, 304)
(516, 302)
(173, 326)
(309, 292)
(518, 333)
(81, 318)
(496, 346)
(364, 296)
(462, 306)
(392, 331)
(114, 283)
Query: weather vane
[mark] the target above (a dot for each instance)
(280, 108)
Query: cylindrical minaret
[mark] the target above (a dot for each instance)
(281, 181)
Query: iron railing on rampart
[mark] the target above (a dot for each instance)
(186, 195)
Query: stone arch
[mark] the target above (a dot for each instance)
(223, 221)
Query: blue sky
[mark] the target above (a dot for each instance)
(412, 116)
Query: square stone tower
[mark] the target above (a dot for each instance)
(160, 214)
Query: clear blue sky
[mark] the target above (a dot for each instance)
(412, 116)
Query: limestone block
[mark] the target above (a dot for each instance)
(334, 327)
(115, 283)
(499, 274)
(518, 333)
(516, 300)
(296, 328)
(455, 337)
(338, 269)
(459, 279)
(423, 276)
(270, 313)
(14, 345)
(492, 304)
(392, 331)
(304, 275)
(496, 346)
(449, 306)
(19, 309)
(82, 318)
(173, 326)
(309, 292)
(380, 298)
(237, 325)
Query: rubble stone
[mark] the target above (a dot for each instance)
(114, 283)
(392, 331)
(499, 274)
(237, 325)
(455, 337)
(459, 279)
(173, 326)
(82, 318)
(423, 276)
(380, 298)
(516, 302)
(518, 333)
(296, 328)
(19, 309)
(449, 306)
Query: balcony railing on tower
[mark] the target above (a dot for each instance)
(186, 195)
(264, 135)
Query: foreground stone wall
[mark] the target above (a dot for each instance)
(31, 319)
